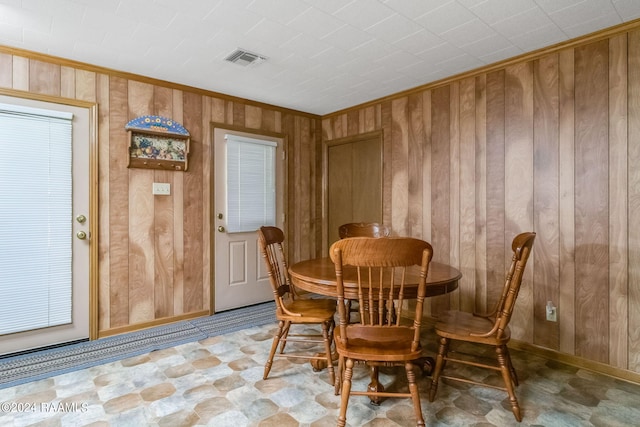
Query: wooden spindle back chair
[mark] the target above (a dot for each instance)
(488, 329)
(294, 311)
(388, 332)
(363, 229)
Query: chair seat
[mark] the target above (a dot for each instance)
(396, 349)
(311, 310)
(457, 324)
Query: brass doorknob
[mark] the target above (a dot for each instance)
(81, 219)
(81, 235)
(221, 229)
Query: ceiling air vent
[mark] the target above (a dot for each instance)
(244, 58)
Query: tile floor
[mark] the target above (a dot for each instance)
(218, 382)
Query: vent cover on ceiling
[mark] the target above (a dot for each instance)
(244, 57)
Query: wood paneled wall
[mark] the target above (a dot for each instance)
(549, 144)
(546, 143)
(155, 253)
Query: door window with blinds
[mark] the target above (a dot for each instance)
(35, 211)
(251, 183)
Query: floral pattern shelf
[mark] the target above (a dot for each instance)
(157, 143)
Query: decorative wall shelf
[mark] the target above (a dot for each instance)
(157, 142)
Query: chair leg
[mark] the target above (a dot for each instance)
(274, 346)
(326, 329)
(514, 376)
(338, 382)
(346, 390)
(505, 369)
(440, 362)
(284, 335)
(415, 395)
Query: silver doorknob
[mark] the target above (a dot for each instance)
(221, 229)
(81, 235)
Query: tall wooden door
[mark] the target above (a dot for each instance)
(240, 274)
(354, 182)
(72, 226)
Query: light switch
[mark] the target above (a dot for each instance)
(161, 188)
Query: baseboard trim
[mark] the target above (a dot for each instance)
(151, 324)
(578, 362)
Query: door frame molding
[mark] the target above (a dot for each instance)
(92, 108)
(379, 134)
(212, 182)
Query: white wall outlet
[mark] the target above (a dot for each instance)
(161, 188)
(552, 312)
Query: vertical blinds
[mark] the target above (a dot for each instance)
(251, 183)
(35, 218)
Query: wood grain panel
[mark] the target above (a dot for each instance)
(6, 70)
(118, 205)
(179, 218)
(546, 264)
(454, 186)
(339, 126)
(369, 119)
(193, 184)
(85, 85)
(104, 157)
(440, 185)
(217, 110)
(426, 165)
(253, 117)
(426, 177)
(21, 73)
(353, 122)
(618, 216)
(163, 222)
(208, 281)
(293, 170)
(44, 78)
(519, 183)
(141, 220)
(467, 207)
(495, 203)
(305, 181)
(591, 201)
(566, 131)
(228, 112)
(634, 200)
(239, 113)
(399, 165)
(269, 121)
(67, 82)
(141, 254)
(414, 166)
(387, 171)
(480, 255)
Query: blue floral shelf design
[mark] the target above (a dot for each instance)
(157, 142)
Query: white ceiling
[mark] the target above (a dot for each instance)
(323, 55)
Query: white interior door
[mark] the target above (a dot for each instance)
(75, 220)
(240, 274)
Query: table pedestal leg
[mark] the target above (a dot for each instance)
(375, 386)
(320, 364)
(426, 364)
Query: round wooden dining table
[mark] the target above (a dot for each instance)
(318, 275)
